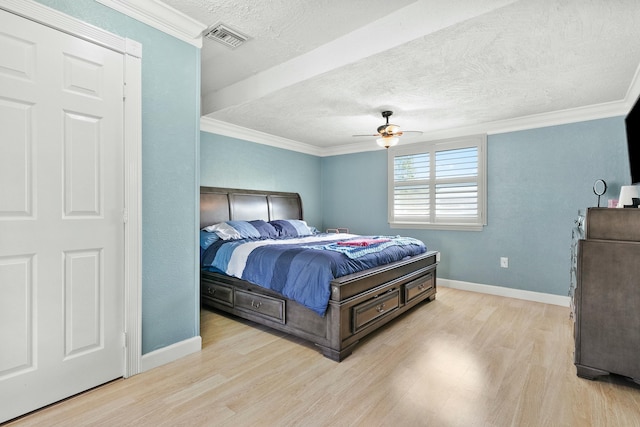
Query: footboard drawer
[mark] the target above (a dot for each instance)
(217, 292)
(265, 306)
(367, 312)
(417, 287)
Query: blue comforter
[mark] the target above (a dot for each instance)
(301, 268)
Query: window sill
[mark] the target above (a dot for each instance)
(442, 226)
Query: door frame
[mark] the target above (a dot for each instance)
(132, 135)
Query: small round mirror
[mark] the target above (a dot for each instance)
(599, 188)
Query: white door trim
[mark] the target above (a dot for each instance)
(132, 52)
(133, 210)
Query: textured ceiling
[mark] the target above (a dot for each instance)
(318, 72)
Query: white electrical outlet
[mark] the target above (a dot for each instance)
(504, 262)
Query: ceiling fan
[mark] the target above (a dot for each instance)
(389, 134)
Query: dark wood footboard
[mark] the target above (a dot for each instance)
(359, 304)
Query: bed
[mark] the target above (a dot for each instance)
(356, 303)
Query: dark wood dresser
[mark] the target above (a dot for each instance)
(607, 296)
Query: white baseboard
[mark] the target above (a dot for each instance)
(505, 292)
(170, 353)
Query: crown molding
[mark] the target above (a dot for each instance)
(555, 118)
(634, 90)
(593, 112)
(55, 19)
(562, 117)
(161, 17)
(210, 125)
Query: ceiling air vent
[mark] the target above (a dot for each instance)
(227, 36)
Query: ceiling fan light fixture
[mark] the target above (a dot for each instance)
(391, 128)
(388, 134)
(387, 141)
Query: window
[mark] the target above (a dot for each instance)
(438, 184)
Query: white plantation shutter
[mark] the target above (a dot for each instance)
(440, 184)
(456, 184)
(411, 187)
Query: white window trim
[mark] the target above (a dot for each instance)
(479, 141)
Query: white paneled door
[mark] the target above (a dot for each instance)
(61, 215)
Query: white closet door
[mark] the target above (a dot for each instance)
(61, 215)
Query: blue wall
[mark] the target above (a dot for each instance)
(235, 163)
(170, 144)
(354, 191)
(537, 181)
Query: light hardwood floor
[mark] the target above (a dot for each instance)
(465, 359)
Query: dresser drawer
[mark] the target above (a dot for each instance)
(372, 310)
(419, 286)
(217, 292)
(271, 308)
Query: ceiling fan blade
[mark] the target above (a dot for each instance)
(413, 131)
(375, 134)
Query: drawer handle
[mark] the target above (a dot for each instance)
(421, 287)
(211, 291)
(256, 304)
(380, 308)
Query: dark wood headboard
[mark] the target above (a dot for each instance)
(224, 204)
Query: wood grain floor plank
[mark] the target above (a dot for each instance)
(465, 359)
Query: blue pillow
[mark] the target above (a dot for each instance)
(291, 228)
(207, 239)
(266, 230)
(235, 230)
(245, 229)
